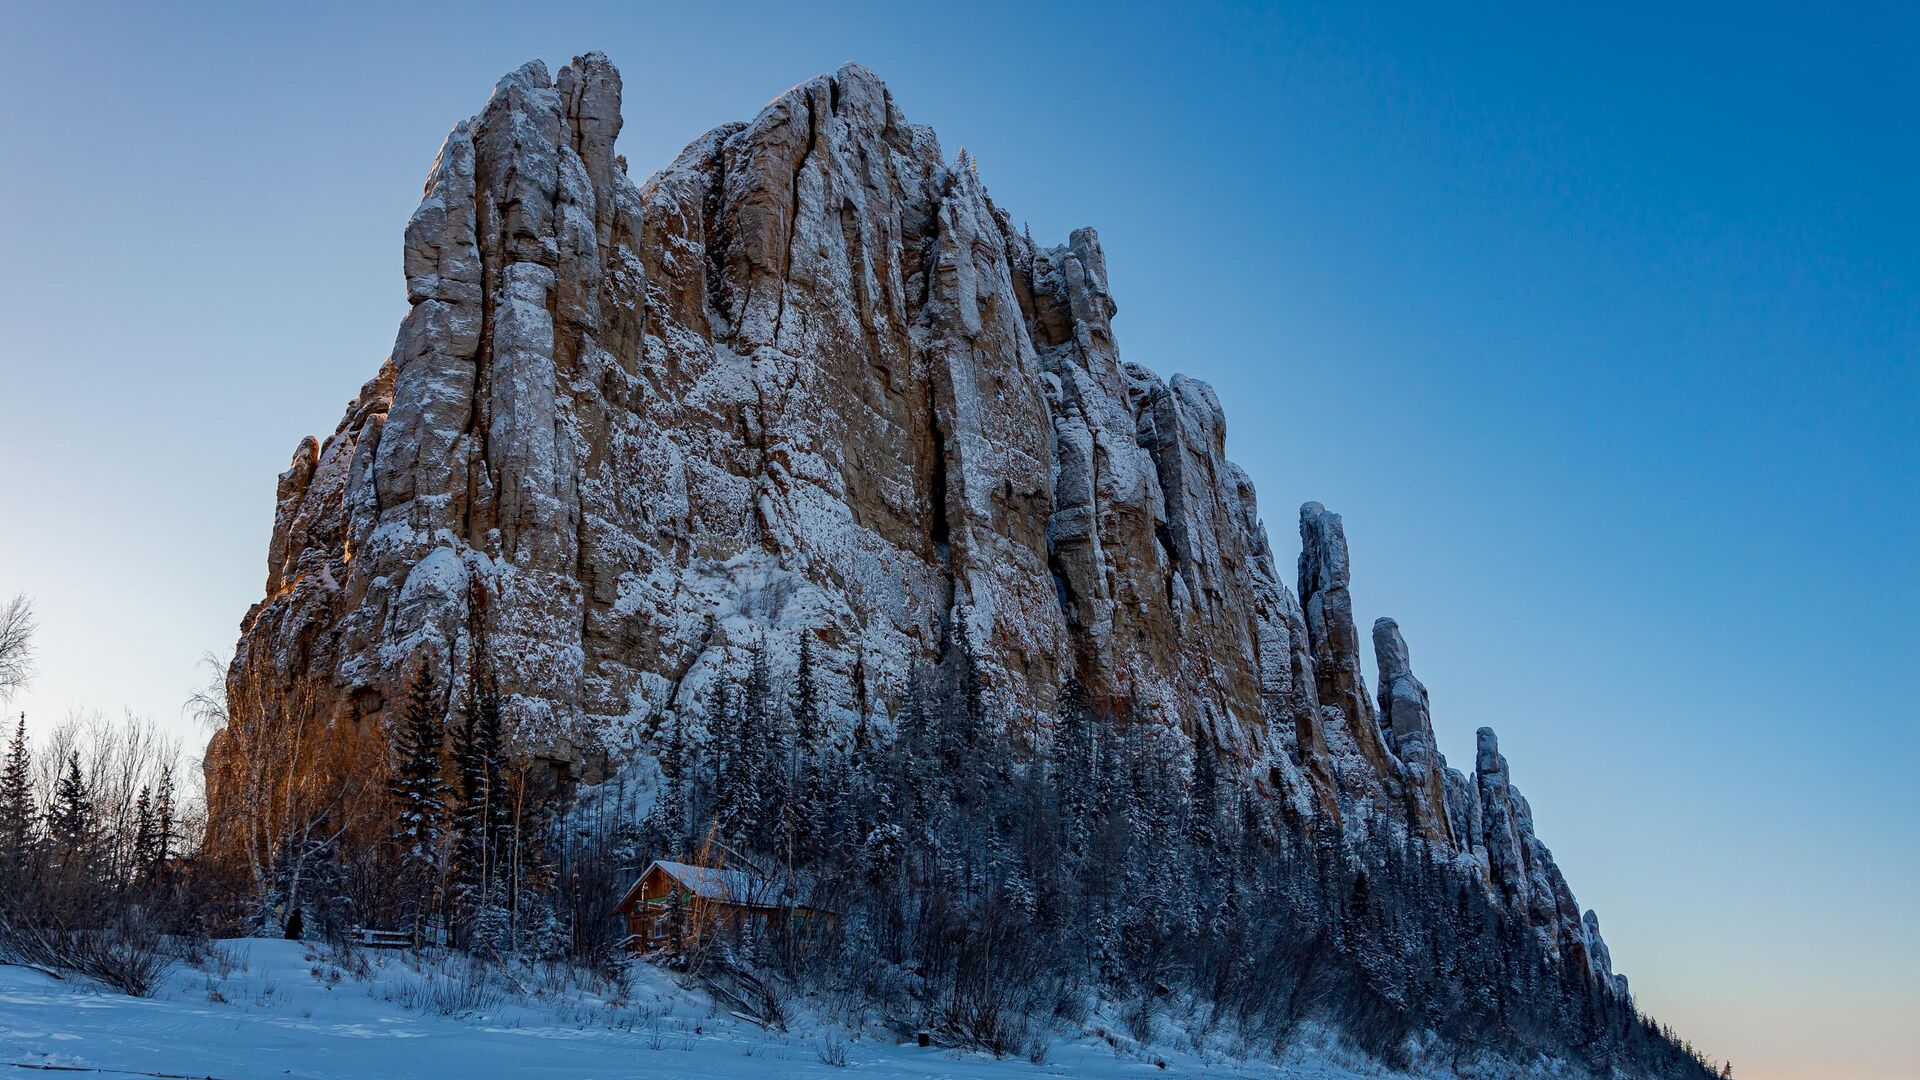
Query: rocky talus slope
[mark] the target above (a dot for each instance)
(809, 379)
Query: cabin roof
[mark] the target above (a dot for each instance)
(708, 883)
(712, 883)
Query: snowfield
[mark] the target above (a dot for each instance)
(268, 1008)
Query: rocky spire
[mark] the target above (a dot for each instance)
(1335, 641)
(1500, 819)
(1521, 867)
(1403, 712)
(1598, 954)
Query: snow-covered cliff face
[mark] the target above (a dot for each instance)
(808, 379)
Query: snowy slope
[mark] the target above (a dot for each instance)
(285, 1009)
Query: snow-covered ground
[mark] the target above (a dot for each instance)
(260, 1008)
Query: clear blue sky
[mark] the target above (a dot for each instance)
(1602, 331)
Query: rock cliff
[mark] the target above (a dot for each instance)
(810, 380)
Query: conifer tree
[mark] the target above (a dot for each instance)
(17, 814)
(864, 798)
(1072, 766)
(483, 819)
(911, 773)
(491, 745)
(666, 824)
(1207, 845)
(862, 736)
(809, 804)
(1204, 826)
(141, 858)
(418, 791)
(71, 821)
(806, 699)
(719, 761)
(764, 755)
(468, 819)
(964, 724)
(485, 805)
(163, 824)
(673, 754)
(736, 809)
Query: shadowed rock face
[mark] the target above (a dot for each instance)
(809, 379)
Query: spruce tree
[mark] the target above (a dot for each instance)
(1207, 848)
(1072, 767)
(485, 814)
(484, 818)
(806, 699)
(736, 812)
(763, 750)
(966, 716)
(809, 802)
(418, 791)
(141, 859)
(862, 735)
(863, 797)
(911, 773)
(491, 746)
(163, 823)
(665, 827)
(17, 814)
(469, 818)
(718, 758)
(71, 822)
(922, 783)
(1204, 827)
(417, 788)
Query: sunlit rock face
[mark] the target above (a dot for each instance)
(809, 380)
(806, 379)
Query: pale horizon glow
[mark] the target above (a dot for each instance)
(1602, 331)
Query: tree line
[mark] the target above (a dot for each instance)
(955, 870)
(92, 834)
(432, 822)
(985, 878)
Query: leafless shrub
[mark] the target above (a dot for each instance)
(219, 959)
(832, 1051)
(986, 1022)
(739, 986)
(131, 956)
(1138, 1019)
(450, 986)
(1038, 1048)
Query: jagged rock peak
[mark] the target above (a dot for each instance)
(1598, 955)
(1521, 867)
(1335, 641)
(806, 379)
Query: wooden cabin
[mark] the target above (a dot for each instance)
(674, 903)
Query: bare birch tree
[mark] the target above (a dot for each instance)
(289, 784)
(17, 627)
